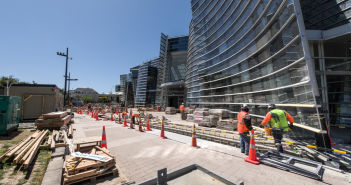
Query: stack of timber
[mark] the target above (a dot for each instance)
(24, 152)
(53, 120)
(57, 139)
(87, 166)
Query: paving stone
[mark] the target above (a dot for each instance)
(140, 155)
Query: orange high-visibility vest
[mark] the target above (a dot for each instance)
(241, 124)
(182, 107)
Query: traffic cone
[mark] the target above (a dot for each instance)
(92, 114)
(148, 126)
(97, 116)
(252, 158)
(111, 116)
(125, 122)
(103, 140)
(140, 126)
(163, 130)
(131, 125)
(193, 140)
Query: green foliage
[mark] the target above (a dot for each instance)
(104, 99)
(10, 80)
(87, 99)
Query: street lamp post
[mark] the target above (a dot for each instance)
(65, 89)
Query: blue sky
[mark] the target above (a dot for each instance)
(105, 37)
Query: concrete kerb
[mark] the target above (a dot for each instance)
(54, 171)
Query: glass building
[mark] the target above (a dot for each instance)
(294, 53)
(175, 55)
(146, 87)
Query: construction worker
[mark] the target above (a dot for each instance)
(278, 120)
(182, 111)
(244, 126)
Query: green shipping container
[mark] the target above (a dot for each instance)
(10, 113)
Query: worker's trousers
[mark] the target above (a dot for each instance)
(244, 142)
(278, 136)
(183, 115)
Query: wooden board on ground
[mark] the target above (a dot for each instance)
(93, 178)
(82, 169)
(87, 141)
(53, 115)
(52, 123)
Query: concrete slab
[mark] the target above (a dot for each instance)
(53, 174)
(59, 152)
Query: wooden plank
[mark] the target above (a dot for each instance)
(81, 175)
(25, 150)
(87, 140)
(35, 150)
(52, 115)
(310, 128)
(107, 152)
(113, 171)
(19, 146)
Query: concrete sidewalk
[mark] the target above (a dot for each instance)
(140, 155)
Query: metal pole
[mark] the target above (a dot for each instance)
(64, 92)
(69, 84)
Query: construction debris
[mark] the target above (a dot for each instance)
(298, 165)
(53, 120)
(57, 139)
(83, 167)
(24, 152)
(171, 110)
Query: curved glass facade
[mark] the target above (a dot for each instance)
(249, 51)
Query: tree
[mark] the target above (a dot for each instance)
(103, 99)
(11, 80)
(87, 99)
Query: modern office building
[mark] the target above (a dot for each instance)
(122, 83)
(146, 88)
(294, 53)
(174, 55)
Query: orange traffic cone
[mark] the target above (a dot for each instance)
(252, 158)
(92, 114)
(125, 122)
(131, 125)
(163, 130)
(193, 141)
(140, 126)
(148, 126)
(103, 140)
(111, 116)
(97, 116)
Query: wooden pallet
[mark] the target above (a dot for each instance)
(91, 176)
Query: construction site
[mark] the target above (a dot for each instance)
(253, 92)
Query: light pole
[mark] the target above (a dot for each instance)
(69, 83)
(65, 89)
